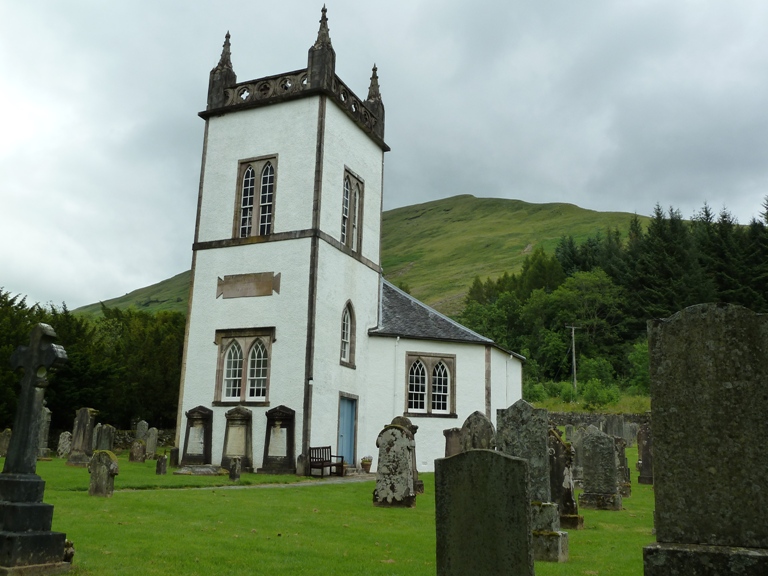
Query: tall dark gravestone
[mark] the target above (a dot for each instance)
(709, 369)
(27, 544)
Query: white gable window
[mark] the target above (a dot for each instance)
(352, 211)
(431, 384)
(347, 356)
(256, 197)
(243, 374)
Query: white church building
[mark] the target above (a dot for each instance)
(294, 339)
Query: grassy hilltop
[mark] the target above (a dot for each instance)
(437, 248)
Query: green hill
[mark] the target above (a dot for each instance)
(437, 248)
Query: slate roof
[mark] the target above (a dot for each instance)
(402, 315)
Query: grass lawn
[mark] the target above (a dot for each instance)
(189, 525)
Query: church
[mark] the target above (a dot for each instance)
(294, 339)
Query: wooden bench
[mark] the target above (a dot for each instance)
(321, 457)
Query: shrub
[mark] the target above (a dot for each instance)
(566, 391)
(534, 392)
(595, 394)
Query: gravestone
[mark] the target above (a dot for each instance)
(82, 438)
(197, 440)
(613, 425)
(482, 516)
(708, 374)
(279, 444)
(575, 437)
(561, 481)
(161, 466)
(235, 468)
(142, 427)
(65, 445)
(522, 432)
(630, 433)
(103, 468)
(138, 452)
(452, 443)
(5, 441)
(645, 454)
(174, 458)
(394, 470)
(477, 433)
(96, 432)
(601, 491)
(405, 422)
(27, 543)
(151, 443)
(238, 438)
(622, 470)
(45, 426)
(105, 439)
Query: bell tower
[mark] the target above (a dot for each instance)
(286, 254)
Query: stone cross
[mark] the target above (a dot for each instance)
(35, 360)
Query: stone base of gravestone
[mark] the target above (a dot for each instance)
(571, 521)
(199, 470)
(667, 559)
(625, 489)
(235, 468)
(103, 468)
(594, 501)
(549, 543)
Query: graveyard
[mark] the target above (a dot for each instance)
(207, 524)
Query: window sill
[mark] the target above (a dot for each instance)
(239, 403)
(348, 364)
(429, 415)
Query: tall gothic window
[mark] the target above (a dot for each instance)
(347, 356)
(266, 198)
(431, 384)
(243, 374)
(233, 374)
(246, 202)
(352, 211)
(256, 197)
(258, 362)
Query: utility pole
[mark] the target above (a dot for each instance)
(573, 355)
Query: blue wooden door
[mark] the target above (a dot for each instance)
(347, 416)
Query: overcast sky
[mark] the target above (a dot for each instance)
(608, 105)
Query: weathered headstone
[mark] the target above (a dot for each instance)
(105, 439)
(708, 373)
(5, 441)
(197, 440)
(103, 468)
(95, 437)
(561, 481)
(477, 433)
(173, 460)
(394, 471)
(26, 538)
(601, 491)
(237, 438)
(151, 443)
(161, 466)
(482, 516)
(645, 454)
(405, 422)
(279, 444)
(613, 425)
(235, 468)
(65, 445)
(82, 438)
(522, 432)
(142, 427)
(452, 441)
(138, 452)
(45, 426)
(622, 470)
(575, 436)
(630, 432)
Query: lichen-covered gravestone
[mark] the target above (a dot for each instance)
(522, 432)
(142, 427)
(405, 422)
(561, 481)
(601, 490)
(152, 443)
(27, 544)
(65, 445)
(105, 439)
(709, 369)
(138, 452)
(575, 436)
(477, 433)
(82, 438)
(103, 468)
(394, 470)
(452, 441)
(482, 516)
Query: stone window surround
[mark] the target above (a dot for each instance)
(350, 361)
(246, 338)
(257, 163)
(430, 360)
(354, 218)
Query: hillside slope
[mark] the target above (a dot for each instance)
(437, 248)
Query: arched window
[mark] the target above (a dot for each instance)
(355, 214)
(347, 356)
(246, 202)
(266, 199)
(233, 371)
(345, 211)
(417, 387)
(440, 387)
(258, 364)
